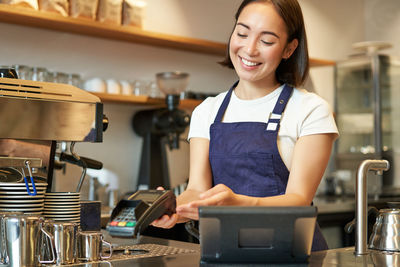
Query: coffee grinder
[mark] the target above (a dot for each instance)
(159, 128)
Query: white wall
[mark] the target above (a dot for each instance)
(382, 23)
(332, 25)
(205, 19)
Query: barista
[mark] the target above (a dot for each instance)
(265, 142)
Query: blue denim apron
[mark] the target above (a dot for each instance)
(244, 156)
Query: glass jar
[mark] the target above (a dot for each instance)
(24, 72)
(139, 88)
(59, 77)
(75, 80)
(153, 90)
(40, 74)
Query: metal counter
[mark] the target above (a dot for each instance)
(191, 257)
(166, 253)
(346, 257)
(332, 211)
(181, 254)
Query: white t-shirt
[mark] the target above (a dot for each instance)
(305, 114)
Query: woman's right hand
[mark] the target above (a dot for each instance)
(169, 221)
(165, 221)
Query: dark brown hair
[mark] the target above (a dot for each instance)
(294, 70)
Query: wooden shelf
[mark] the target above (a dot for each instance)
(47, 20)
(188, 104)
(52, 21)
(321, 62)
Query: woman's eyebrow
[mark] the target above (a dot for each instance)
(263, 32)
(244, 25)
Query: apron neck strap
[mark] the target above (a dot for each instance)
(275, 117)
(225, 103)
(283, 99)
(278, 109)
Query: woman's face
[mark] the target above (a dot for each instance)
(259, 42)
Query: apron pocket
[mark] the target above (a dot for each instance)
(249, 174)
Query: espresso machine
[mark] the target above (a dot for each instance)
(45, 113)
(34, 116)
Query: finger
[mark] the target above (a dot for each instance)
(191, 216)
(205, 202)
(189, 213)
(183, 208)
(214, 200)
(186, 208)
(160, 221)
(160, 188)
(165, 221)
(213, 191)
(171, 222)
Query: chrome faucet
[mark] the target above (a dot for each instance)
(362, 201)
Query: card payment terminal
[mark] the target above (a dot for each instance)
(132, 216)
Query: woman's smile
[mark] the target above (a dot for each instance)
(249, 63)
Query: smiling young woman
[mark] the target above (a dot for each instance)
(257, 46)
(264, 142)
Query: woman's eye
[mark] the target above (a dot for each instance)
(241, 35)
(267, 43)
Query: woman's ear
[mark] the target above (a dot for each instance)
(289, 49)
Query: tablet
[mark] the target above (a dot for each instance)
(256, 234)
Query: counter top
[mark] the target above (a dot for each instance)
(346, 257)
(334, 257)
(172, 253)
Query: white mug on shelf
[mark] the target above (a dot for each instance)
(113, 86)
(126, 88)
(95, 85)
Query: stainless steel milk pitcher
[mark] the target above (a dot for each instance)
(3, 247)
(65, 234)
(90, 246)
(22, 242)
(3, 250)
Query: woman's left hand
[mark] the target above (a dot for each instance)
(219, 195)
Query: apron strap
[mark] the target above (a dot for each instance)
(276, 115)
(224, 105)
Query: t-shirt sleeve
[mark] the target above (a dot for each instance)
(199, 121)
(318, 118)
